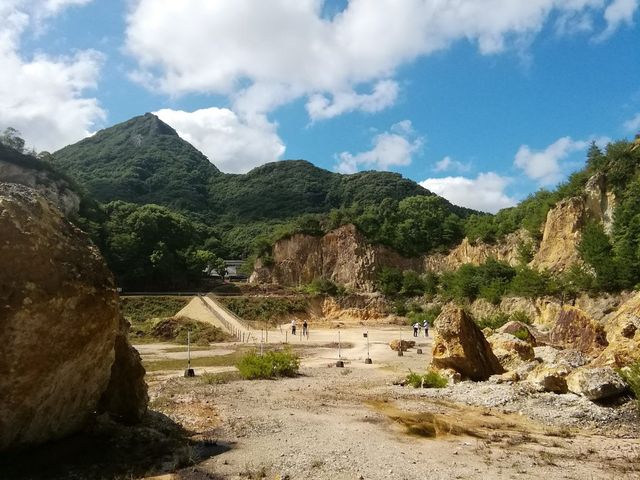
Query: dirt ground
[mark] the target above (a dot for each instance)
(356, 422)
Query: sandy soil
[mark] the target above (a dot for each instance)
(354, 422)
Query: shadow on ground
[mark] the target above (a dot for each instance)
(106, 450)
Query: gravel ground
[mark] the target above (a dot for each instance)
(352, 423)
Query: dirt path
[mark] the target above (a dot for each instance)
(353, 422)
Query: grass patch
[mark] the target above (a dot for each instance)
(228, 360)
(265, 309)
(428, 380)
(269, 365)
(210, 378)
(175, 330)
(139, 309)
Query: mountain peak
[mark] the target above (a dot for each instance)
(141, 160)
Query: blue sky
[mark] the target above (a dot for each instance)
(483, 101)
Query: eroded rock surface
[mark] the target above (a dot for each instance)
(623, 336)
(574, 329)
(460, 345)
(59, 320)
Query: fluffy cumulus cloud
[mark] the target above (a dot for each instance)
(486, 192)
(544, 166)
(232, 143)
(265, 54)
(393, 148)
(42, 96)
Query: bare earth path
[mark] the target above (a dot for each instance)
(352, 423)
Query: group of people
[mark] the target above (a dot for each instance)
(417, 326)
(305, 328)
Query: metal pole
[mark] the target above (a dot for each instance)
(367, 343)
(339, 356)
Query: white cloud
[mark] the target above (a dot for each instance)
(544, 165)
(266, 54)
(233, 144)
(43, 97)
(486, 192)
(449, 164)
(633, 124)
(617, 13)
(383, 95)
(390, 149)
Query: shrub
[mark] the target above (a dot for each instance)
(324, 286)
(522, 334)
(430, 315)
(493, 321)
(520, 316)
(631, 375)
(430, 379)
(390, 281)
(270, 365)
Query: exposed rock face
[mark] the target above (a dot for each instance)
(59, 322)
(561, 236)
(354, 308)
(574, 329)
(510, 351)
(56, 191)
(596, 383)
(505, 250)
(459, 344)
(342, 255)
(600, 203)
(623, 336)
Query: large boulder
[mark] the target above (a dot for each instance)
(550, 378)
(404, 344)
(510, 351)
(596, 383)
(623, 335)
(59, 321)
(460, 345)
(575, 330)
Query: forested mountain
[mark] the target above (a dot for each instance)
(142, 160)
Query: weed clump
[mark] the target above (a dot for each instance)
(270, 365)
(631, 375)
(431, 379)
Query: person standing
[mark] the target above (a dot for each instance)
(426, 328)
(416, 328)
(305, 329)
(293, 327)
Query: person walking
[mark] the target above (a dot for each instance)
(305, 329)
(416, 328)
(426, 328)
(293, 327)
